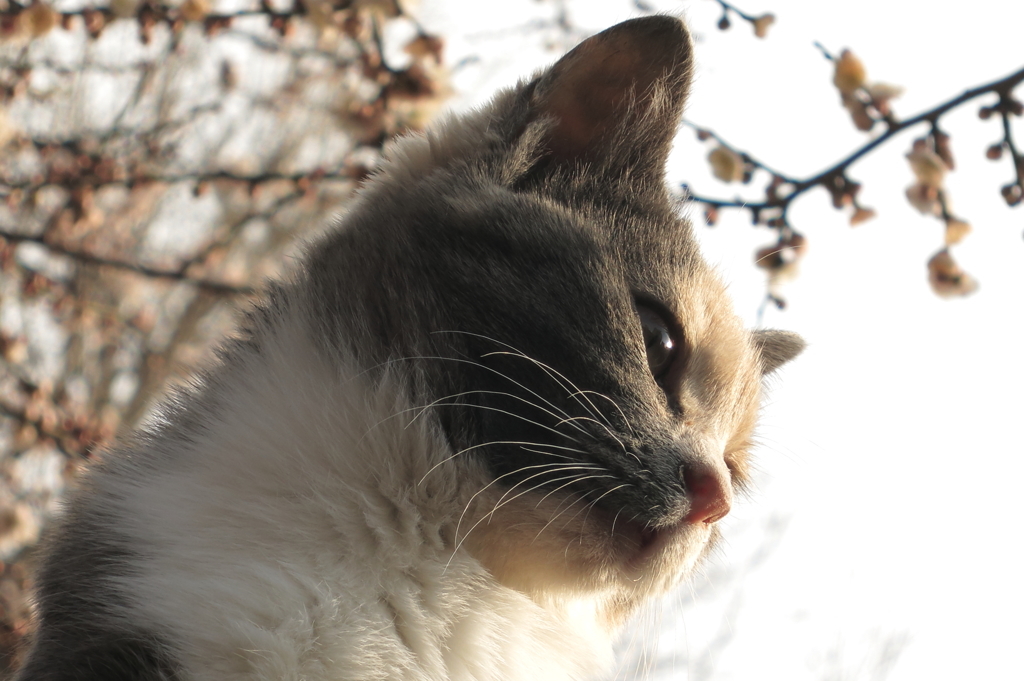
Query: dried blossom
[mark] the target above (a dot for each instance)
(423, 46)
(928, 166)
(762, 24)
(850, 74)
(1012, 194)
(194, 10)
(781, 260)
(862, 119)
(947, 278)
(39, 19)
(726, 164)
(943, 149)
(8, 130)
(843, 191)
(861, 215)
(881, 94)
(711, 216)
(386, 9)
(321, 15)
(867, 102)
(95, 22)
(925, 198)
(123, 9)
(956, 230)
(228, 76)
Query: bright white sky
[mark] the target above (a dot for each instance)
(887, 523)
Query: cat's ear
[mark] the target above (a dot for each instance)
(776, 348)
(619, 93)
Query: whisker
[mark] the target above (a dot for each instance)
(505, 442)
(555, 374)
(501, 502)
(609, 431)
(489, 514)
(571, 449)
(553, 467)
(512, 414)
(574, 497)
(476, 364)
(484, 392)
(625, 669)
(615, 520)
(593, 504)
(577, 499)
(523, 418)
(558, 376)
(495, 371)
(396, 360)
(636, 515)
(613, 403)
(580, 498)
(583, 525)
(580, 479)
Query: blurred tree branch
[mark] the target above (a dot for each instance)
(930, 158)
(833, 178)
(157, 162)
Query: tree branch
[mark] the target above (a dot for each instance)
(1002, 87)
(92, 259)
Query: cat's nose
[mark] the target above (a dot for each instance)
(709, 492)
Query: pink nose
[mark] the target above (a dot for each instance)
(709, 493)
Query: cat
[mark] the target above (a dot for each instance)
(498, 407)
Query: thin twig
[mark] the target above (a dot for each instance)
(1002, 87)
(93, 259)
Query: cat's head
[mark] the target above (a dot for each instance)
(529, 266)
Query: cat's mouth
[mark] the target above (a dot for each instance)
(644, 545)
(650, 542)
(649, 539)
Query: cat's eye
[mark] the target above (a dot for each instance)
(659, 341)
